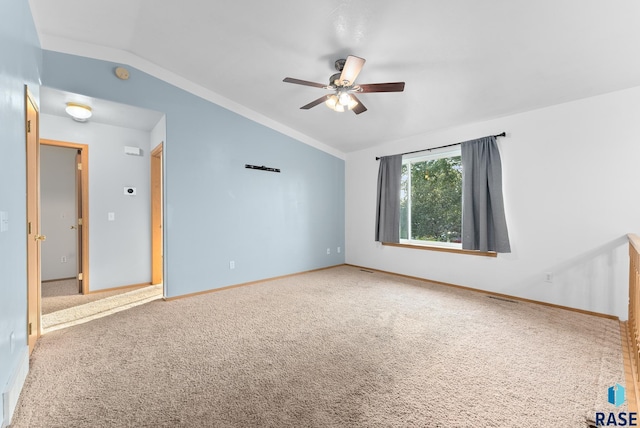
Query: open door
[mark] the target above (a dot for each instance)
(156, 216)
(81, 223)
(79, 220)
(33, 221)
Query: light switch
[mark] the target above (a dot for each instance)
(4, 221)
(112, 216)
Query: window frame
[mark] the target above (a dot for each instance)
(447, 152)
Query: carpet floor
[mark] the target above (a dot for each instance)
(331, 348)
(63, 294)
(109, 305)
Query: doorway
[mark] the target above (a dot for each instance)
(105, 282)
(157, 247)
(64, 212)
(34, 238)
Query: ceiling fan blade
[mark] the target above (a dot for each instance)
(359, 108)
(303, 82)
(315, 102)
(351, 69)
(382, 87)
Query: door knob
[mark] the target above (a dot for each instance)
(40, 238)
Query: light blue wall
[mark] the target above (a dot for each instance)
(20, 64)
(217, 211)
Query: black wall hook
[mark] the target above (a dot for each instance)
(262, 168)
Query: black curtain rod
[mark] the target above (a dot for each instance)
(504, 134)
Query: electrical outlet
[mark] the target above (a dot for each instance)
(339, 250)
(232, 264)
(548, 277)
(328, 251)
(63, 259)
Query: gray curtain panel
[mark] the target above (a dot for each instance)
(388, 205)
(484, 226)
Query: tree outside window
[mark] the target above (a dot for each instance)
(431, 199)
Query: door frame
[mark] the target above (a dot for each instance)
(34, 238)
(82, 199)
(157, 238)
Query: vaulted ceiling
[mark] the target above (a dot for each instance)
(462, 60)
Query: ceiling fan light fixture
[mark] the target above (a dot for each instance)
(78, 112)
(335, 102)
(344, 98)
(344, 87)
(352, 103)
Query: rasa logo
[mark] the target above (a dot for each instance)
(615, 396)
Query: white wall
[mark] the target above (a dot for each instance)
(58, 212)
(569, 176)
(119, 250)
(158, 134)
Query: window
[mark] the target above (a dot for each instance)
(431, 199)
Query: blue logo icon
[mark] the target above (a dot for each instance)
(616, 395)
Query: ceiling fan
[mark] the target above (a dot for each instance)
(344, 87)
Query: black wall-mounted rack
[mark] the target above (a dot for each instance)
(262, 168)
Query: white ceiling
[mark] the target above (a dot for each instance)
(462, 60)
(54, 101)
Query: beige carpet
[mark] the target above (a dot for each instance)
(332, 348)
(80, 314)
(63, 294)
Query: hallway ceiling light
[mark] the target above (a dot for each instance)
(78, 112)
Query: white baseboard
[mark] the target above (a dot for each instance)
(12, 392)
